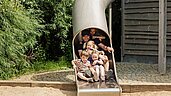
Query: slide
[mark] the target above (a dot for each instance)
(89, 24)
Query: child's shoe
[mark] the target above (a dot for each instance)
(90, 80)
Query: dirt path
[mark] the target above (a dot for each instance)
(43, 91)
(33, 91)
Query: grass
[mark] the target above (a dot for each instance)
(43, 66)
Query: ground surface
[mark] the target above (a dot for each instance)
(33, 91)
(37, 91)
(127, 73)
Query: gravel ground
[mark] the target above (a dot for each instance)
(127, 73)
(155, 93)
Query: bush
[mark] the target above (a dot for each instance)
(56, 15)
(18, 32)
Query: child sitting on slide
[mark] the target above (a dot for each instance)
(83, 67)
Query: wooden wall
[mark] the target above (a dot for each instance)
(168, 31)
(140, 30)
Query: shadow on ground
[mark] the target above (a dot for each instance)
(60, 76)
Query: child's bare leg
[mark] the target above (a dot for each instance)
(102, 72)
(97, 71)
(106, 66)
(94, 73)
(80, 75)
(106, 63)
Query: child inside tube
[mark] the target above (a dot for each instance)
(91, 47)
(96, 62)
(83, 67)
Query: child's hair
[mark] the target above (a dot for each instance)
(95, 52)
(94, 45)
(101, 52)
(84, 53)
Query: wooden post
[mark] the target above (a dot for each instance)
(122, 30)
(162, 36)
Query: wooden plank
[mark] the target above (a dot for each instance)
(168, 28)
(169, 22)
(168, 49)
(153, 46)
(168, 54)
(169, 8)
(141, 22)
(149, 53)
(168, 38)
(142, 47)
(141, 28)
(168, 16)
(140, 41)
(142, 33)
(144, 10)
(168, 41)
(168, 34)
(141, 5)
(162, 36)
(141, 37)
(149, 16)
(148, 42)
(140, 1)
(145, 19)
(144, 53)
(168, 4)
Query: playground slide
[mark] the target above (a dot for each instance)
(91, 14)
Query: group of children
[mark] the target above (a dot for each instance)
(93, 64)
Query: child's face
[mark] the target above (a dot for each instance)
(86, 38)
(95, 56)
(84, 58)
(92, 31)
(89, 45)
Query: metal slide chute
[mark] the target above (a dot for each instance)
(91, 14)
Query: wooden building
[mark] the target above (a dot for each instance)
(146, 32)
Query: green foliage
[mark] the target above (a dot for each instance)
(42, 66)
(63, 20)
(18, 32)
(56, 15)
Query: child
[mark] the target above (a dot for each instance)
(105, 60)
(98, 65)
(82, 65)
(91, 47)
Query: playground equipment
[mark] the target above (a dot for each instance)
(91, 14)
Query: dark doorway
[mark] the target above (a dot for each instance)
(116, 29)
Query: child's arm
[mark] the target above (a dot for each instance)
(95, 62)
(76, 63)
(100, 61)
(73, 63)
